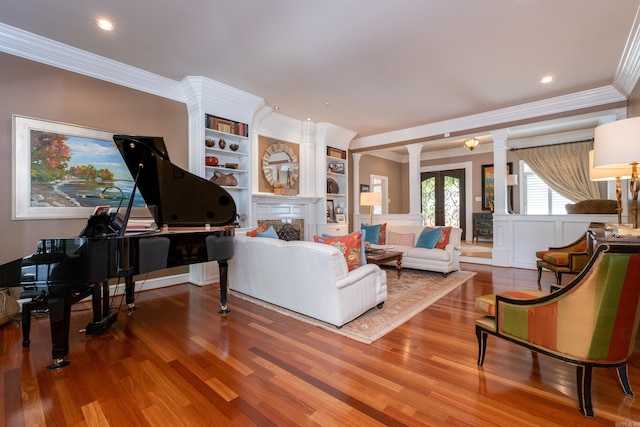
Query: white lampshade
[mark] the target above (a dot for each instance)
(617, 144)
(368, 198)
(606, 173)
(512, 179)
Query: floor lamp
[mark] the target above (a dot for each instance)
(610, 174)
(617, 145)
(371, 199)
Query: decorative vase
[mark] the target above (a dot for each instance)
(222, 143)
(210, 142)
(234, 146)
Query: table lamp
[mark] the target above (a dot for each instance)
(371, 199)
(610, 174)
(617, 145)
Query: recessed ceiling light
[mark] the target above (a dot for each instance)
(546, 79)
(105, 24)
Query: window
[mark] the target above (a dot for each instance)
(379, 185)
(539, 198)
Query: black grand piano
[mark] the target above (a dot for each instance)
(194, 223)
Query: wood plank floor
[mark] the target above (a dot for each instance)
(176, 362)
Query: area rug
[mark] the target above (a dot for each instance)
(407, 296)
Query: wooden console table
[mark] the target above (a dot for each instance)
(384, 257)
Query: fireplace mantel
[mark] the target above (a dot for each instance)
(267, 206)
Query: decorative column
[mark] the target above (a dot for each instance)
(414, 178)
(502, 222)
(355, 200)
(500, 170)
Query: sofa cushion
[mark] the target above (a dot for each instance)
(350, 246)
(269, 232)
(372, 233)
(402, 239)
(428, 254)
(487, 303)
(428, 238)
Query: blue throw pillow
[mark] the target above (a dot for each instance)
(364, 233)
(372, 233)
(429, 237)
(269, 232)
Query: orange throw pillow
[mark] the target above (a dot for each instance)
(261, 229)
(350, 246)
(382, 237)
(444, 237)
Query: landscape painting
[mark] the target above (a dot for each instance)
(65, 171)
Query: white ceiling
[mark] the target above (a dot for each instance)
(370, 66)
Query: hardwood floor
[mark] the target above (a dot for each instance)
(176, 362)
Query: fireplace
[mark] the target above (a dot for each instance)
(289, 215)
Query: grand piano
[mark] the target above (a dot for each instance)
(194, 219)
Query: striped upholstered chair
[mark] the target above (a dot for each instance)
(591, 322)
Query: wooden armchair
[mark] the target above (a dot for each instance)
(592, 322)
(571, 258)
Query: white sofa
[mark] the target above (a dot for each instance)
(305, 277)
(441, 260)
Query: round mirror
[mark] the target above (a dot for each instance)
(280, 166)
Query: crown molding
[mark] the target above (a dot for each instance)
(21, 43)
(560, 104)
(628, 70)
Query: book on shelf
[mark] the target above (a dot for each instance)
(227, 126)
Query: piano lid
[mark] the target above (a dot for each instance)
(174, 196)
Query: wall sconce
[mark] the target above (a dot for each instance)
(471, 143)
(371, 199)
(617, 145)
(512, 180)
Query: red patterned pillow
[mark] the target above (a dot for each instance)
(444, 238)
(350, 246)
(382, 239)
(261, 229)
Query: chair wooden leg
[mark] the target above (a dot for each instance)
(539, 273)
(623, 376)
(559, 278)
(482, 344)
(583, 376)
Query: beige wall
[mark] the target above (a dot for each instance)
(398, 174)
(35, 90)
(395, 172)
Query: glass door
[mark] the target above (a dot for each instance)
(443, 198)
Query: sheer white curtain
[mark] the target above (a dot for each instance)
(564, 168)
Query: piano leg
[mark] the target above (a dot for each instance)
(130, 290)
(224, 268)
(60, 321)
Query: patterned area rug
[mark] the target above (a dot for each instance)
(407, 296)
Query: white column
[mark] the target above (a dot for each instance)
(500, 170)
(502, 224)
(414, 178)
(355, 174)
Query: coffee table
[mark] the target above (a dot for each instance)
(384, 257)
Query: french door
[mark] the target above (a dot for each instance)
(443, 198)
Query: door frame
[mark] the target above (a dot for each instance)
(468, 187)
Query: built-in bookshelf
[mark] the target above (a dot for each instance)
(337, 191)
(227, 151)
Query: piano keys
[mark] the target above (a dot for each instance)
(195, 221)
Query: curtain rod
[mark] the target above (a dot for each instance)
(550, 145)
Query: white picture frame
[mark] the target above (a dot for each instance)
(28, 202)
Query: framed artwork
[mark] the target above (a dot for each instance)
(331, 213)
(364, 188)
(340, 167)
(488, 185)
(66, 171)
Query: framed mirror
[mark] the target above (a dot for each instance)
(280, 165)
